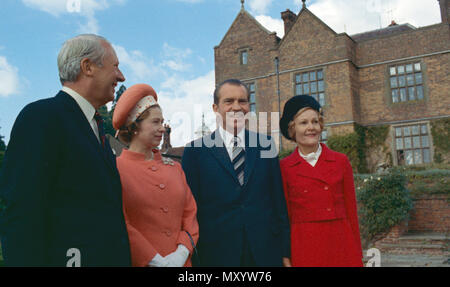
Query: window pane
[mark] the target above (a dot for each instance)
(322, 99)
(321, 87)
(253, 108)
(406, 131)
(252, 97)
(298, 78)
(252, 87)
(417, 156)
(417, 67)
(305, 77)
(408, 142)
(415, 130)
(425, 141)
(312, 76)
(419, 92)
(244, 57)
(398, 132)
(320, 75)
(399, 143)
(401, 81)
(426, 156)
(306, 88)
(411, 93)
(401, 69)
(324, 135)
(392, 71)
(393, 82)
(424, 129)
(403, 94)
(409, 68)
(409, 157)
(416, 142)
(395, 96)
(418, 78)
(410, 79)
(298, 89)
(313, 87)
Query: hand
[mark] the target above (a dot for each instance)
(287, 262)
(158, 261)
(178, 257)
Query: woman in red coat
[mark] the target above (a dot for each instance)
(319, 190)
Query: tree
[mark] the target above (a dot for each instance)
(2, 150)
(107, 115)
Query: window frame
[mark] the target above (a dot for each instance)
(409, 145)
(303, 80)
(400, 85)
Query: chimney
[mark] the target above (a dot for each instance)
(166, 139)
(289, 18)
(445, 10)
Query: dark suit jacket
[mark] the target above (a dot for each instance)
(226, 210)
(61, 191)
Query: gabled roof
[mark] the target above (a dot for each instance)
(302, 11)
(244, 13)
(388, 31)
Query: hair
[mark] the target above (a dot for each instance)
(291, 125)
(234, 82)
(126, 133)
(75, 50)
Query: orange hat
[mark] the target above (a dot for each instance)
(133, 102)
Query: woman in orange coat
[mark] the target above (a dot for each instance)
(319, 190)
(159, 208)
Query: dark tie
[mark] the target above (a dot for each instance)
(238, 160)
(101, 132)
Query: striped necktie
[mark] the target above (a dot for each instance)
(238, 160)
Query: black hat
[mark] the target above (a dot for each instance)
(292, 106)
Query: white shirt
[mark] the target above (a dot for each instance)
(313, 157)
(228, 140)
(86, 107)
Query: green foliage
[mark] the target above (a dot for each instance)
(107, 115)
(349, 144)
(2, 156)
(440, 130)
(284, 153)
(383, 201)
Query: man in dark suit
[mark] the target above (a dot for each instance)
(237, 185)
(59, 182)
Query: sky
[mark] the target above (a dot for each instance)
(168, 44)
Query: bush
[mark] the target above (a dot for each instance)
(383, 201)
(284, 153)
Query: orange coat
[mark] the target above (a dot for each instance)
(158, 206)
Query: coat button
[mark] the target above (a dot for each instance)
(168, 233)
(165, 209)
(305, 191)
(162, 186)
(328, 209)
(326, 188)
(154, 168)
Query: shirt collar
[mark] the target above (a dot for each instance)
(227, 137)
(86, 107)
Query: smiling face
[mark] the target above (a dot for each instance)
(107, 76)
(150, 129)
(307, 129)
(233, 100)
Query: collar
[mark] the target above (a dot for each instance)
(135, 156)
(228, 138)
(295, 158)
(314, 156)
(85, 106)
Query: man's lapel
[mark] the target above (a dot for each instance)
(85, 128)
(221, 155)
(251, 154)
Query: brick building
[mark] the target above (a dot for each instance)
(396, 77)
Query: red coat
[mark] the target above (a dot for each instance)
(322, 210)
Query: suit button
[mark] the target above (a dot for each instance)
(162, 186)
(326, 188)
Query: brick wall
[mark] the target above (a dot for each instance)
(430, 213)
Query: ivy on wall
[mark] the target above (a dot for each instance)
(440, 130)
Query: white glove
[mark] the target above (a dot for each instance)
(158, 261)
(178, 257)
